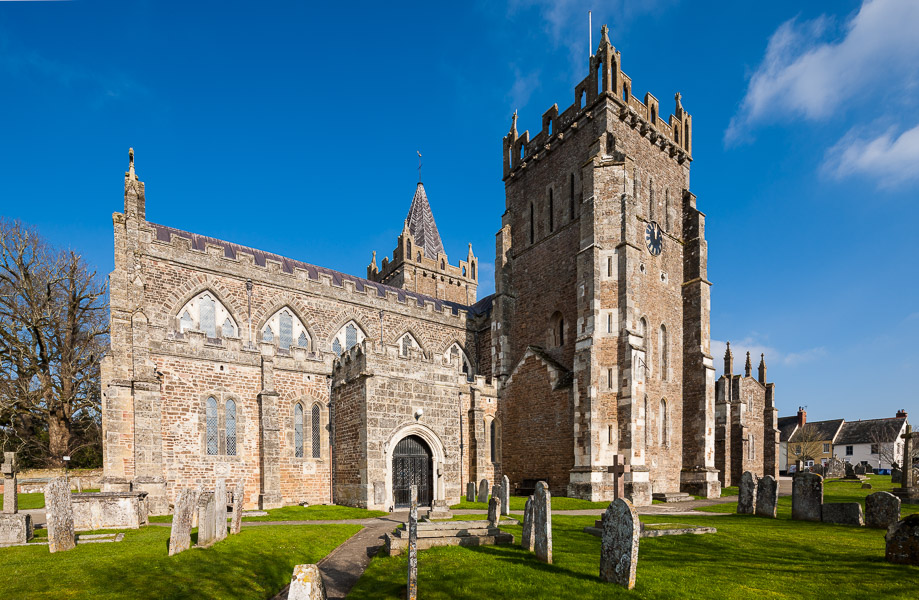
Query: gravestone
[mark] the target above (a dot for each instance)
(496, 491)
(412, 592)
(882, 509)
(527, 538)
(859, 469)
(207, 519)
(619, 546)
(182, 514)
(895, 473)
(494, 510)
(835, 468)
(843, 513)
(618, 470)
(869, 470)
(807, 497)
(483, 491)
(767, 496)
(903, 542)
(470, 491)
(220, 510)
(746, 497)
(850, 472)
(866, 486)
(59, 513)
(10, 471)
(239, 495)
(542, 522)
(506, 495)
(306, 584)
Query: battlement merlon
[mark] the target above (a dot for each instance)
(407, 252)
(364, 360)
(604, 81)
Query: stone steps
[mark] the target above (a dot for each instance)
(672, 497)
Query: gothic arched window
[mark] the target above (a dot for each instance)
(664, 430)
(406, 343)
(211, 423)
(663, 343)
(455, 353)
(289, 328)
(204, 312)
(230, 412)
(316, 431)
(298, 431)
(347, 337)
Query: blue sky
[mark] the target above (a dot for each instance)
(293, 128)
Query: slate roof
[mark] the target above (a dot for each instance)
(826, 430)
(230, 250)
(787, 427)
(420, 223)
(871, 431)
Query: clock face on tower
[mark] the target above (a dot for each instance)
(654, 238)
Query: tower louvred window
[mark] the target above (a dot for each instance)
(203, 313)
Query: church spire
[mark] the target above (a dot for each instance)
(420, 223)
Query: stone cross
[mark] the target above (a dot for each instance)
(306, 584)
(618, 469)
(483, 491)
(10, 470)
(619, 548)
(59, 513)
(239, 495)
(220, 513)
(506, 495)
(412, 591)
(470, 491)
(908, 478)
(527, 538)
(182, 514)
(494, 510)
(542, 521)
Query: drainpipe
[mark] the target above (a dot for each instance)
(331, 446)
(462, 464)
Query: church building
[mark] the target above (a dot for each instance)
(318, 386)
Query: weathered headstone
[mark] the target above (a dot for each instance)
(850, 472)
(866, 486)
(869, 470)
(527, 538)
(506, 495)
(496, 491)
(807, 497)
(470, 491)
(746, 497)
(843, 513)
(220, 510)
(207, 519)
(859, 469)
(882, 509)
(619, 548)
(306, 584)
(903, 542)
(10, 470)
(15, 528)
(896, 475)
(618, 470)
(835, 468)
(767, 496)
(483, 491)
(239, 495)
(59, 513)
(182, 514)
(412, 592)
(494, 510)
(542, 521)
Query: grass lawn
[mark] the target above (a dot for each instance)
(256, 563)
(519, 503)
(833, 491)
(33, 500)
(748, 557)
(316, 512)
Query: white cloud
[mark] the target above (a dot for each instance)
(892, 158)
(804, 76)
(523, 87)
(773, 356)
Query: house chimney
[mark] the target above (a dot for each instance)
(901, 414)
(802, 416)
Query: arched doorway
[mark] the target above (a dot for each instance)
(412, 465)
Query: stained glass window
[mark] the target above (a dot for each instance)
(298, 431)
(317, 437)
(211, 419)
(207, 310)
(231, 427)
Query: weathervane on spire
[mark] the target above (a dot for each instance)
(419, 165)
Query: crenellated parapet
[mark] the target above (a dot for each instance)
(605, 81)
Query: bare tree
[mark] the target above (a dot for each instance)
(883, 440)
(53, 333)
(806, 444)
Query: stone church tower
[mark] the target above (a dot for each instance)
(601, 314)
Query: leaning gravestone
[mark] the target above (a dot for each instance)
(494, 510)
(807, 497)
(506, 496)
(483, 491)
(903, 542)
(767, 496)
(470, 491)
(619, 548)
(220, 513)
(527, 537)
(542, 521)
(882, 509)
(746, 497)
(306, 584)
(59, 513)
(207, 520)
(182, 514)
(239, 495)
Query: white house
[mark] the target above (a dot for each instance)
(870, 442)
